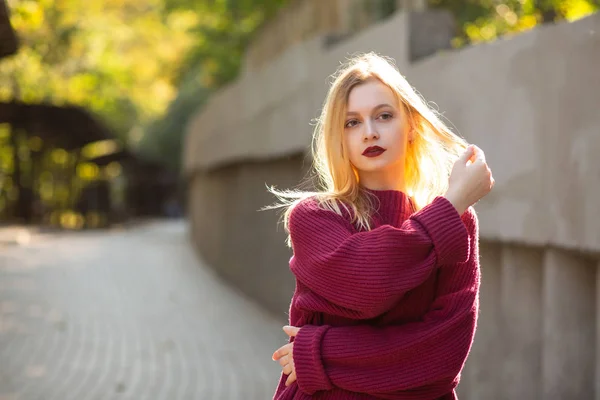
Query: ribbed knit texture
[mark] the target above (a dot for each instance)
(388, 313)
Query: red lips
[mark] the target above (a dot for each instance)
(373, 151)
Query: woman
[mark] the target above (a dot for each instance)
(386, 256)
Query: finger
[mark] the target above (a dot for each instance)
(466, 156)
(284, 360)
(291, 330)
(280, 352)
(291, 379)
(479, 162)
(276, 356)
(287, 369)
(479, 154)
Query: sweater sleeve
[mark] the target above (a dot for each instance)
(362, 275)
(419, 360)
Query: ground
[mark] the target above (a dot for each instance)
(127, 314)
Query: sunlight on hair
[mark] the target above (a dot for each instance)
(429, 158)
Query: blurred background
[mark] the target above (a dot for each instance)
(137, 139)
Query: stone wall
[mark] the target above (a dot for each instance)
(245, 245)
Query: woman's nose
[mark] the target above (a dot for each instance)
(370, 131)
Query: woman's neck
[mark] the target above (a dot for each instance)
(379, 180)
(389, 178)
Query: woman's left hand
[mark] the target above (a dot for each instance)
(285, 355)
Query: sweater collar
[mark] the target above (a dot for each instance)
(391, 206)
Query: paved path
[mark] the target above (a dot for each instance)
(127, 315)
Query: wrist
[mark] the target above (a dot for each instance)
(457, 202)
(311, 375)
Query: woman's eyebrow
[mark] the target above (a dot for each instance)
(374, 109)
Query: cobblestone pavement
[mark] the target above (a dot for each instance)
(128, 314)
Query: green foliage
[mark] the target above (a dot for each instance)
(223, 31)
(486, 20)
(119, 59)
(163, 139)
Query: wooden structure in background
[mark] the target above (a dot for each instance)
(147, 188)
(152, 189)
(68, 128)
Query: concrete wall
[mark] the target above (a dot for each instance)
(302, 20)
(246, 245)
(530, 102)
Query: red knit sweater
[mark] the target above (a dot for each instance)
(388, 313)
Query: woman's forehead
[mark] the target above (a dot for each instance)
(371, 94)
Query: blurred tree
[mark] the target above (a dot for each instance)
(162, 140)
(485, 20)
(223, 30)
(119, 59)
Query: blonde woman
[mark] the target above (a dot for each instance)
(386, 254)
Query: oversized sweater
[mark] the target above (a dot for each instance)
(388, 313)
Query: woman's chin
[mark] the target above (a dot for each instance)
(374, 166)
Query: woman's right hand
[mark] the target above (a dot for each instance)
(470, 180)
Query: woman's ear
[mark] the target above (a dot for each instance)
(411, 134)
(410, 127)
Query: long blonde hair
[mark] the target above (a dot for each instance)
(429, 157)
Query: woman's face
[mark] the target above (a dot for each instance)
(375, 134)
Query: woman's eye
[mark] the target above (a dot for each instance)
(351, 123)
(386, 116)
